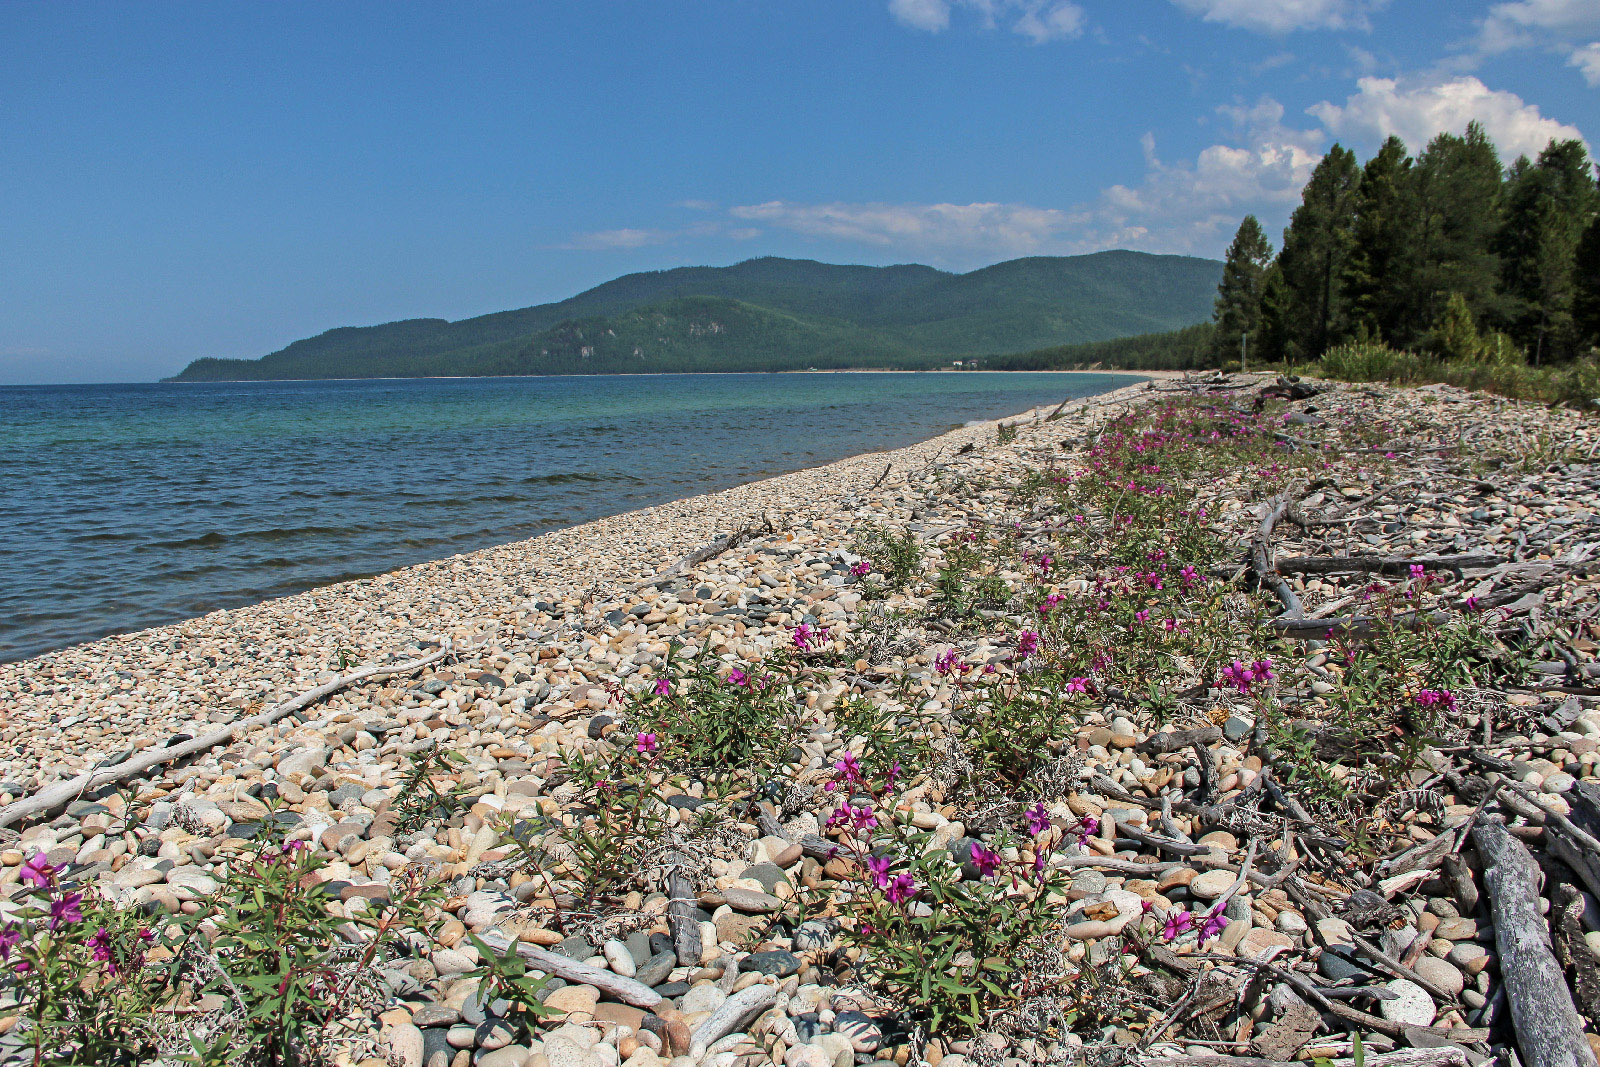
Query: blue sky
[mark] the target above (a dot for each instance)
(185, 180)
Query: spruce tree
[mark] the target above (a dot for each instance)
(1549, 205)
(1238, 307)
(1457, 206)
(1316, 255)
(1374, 279)
(1586, 287)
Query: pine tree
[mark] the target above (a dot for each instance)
(1586, 286)
(1374, 273)
(1316, 254)
(1455, 336)
(1457, 208)
(1549, 205)
(1238, 308)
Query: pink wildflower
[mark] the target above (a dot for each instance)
(1079, 684)
(1038, 819)
(879, 866)
(903, 888)
(38, 871)
(66, 910)
(663, 687)
(948, 662)
(1440, 697)
(1176, 924)
(804, 636)
(1027, 644)
(738, 677)
(8, 940)
(986, 860)
(1214, 924)
(861, 569)
(646, 743)
(1087, 829)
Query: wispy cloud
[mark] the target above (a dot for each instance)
(1416, 109)
(1285, 16)
(1038, 20)
(1568, 28)
(987, 228)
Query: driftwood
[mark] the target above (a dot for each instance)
(700, 555)
(1449, 1056)
(1548, 1029)
(52, 797)
(1368, 564)
(624, 989)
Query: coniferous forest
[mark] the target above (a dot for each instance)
(1450, 254)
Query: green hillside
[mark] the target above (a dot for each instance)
(769, 314)
(1189, 348)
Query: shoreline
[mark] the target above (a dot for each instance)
(737, 952)
(605, 554)
(628, 374)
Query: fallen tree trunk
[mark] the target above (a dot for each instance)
(1367, 564)
(1549, 1031)
(61, 793)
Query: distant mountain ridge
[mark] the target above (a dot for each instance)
(770, 314)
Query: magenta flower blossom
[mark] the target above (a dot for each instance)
(987, 861)
(1087, 829)
(37, 871)
(66, 910)
(947, 662)
(879, 866)
(663, 687)
(806, 636)
(1038, 819)
(8, 940)
(1442, 698)
(1472, 603)
(861, 569)
(1027, 644)
(100, 945)
(1417, 570)
(1215, 922)
(860, 817)
(646, 743)
(849, 768)
(1079, 684)
(738, 677)
(1176, 924)
(903, 888)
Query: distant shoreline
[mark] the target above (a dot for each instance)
(633, 374)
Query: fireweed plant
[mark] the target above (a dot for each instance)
(95, 983)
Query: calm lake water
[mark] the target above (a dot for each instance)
(129, 506)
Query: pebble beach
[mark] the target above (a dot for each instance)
(751, 964)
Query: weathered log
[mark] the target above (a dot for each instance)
(1449, 1056)
(1368, 564)
(681, 923)
(1548, 1029)
(54, 796)
(624, 989)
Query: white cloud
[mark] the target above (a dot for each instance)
(1587, 60)
(988, 228)
(1529, 23)
(1565, 27)
(1191, 207)
(1284, 16)
(1037, 20)
(1417, 110)
(1195, 207)
(620, 238)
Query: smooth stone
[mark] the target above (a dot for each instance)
(509, 1056)
(493, 1034)
(461, 1036)
(620, 959)
(435, 1015)
(1209, 885)
(816, 935)
(1411, 1007)
(703, 997)
(734, 1013)
(1441, 974)
(562, 1051)
(775, 962)
(861, 1029)
(403, 1045)
(657, 969)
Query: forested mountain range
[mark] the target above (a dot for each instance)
(770, 314)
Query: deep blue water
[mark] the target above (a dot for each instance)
(129, 506)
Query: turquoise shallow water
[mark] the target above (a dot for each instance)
(129, 506)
